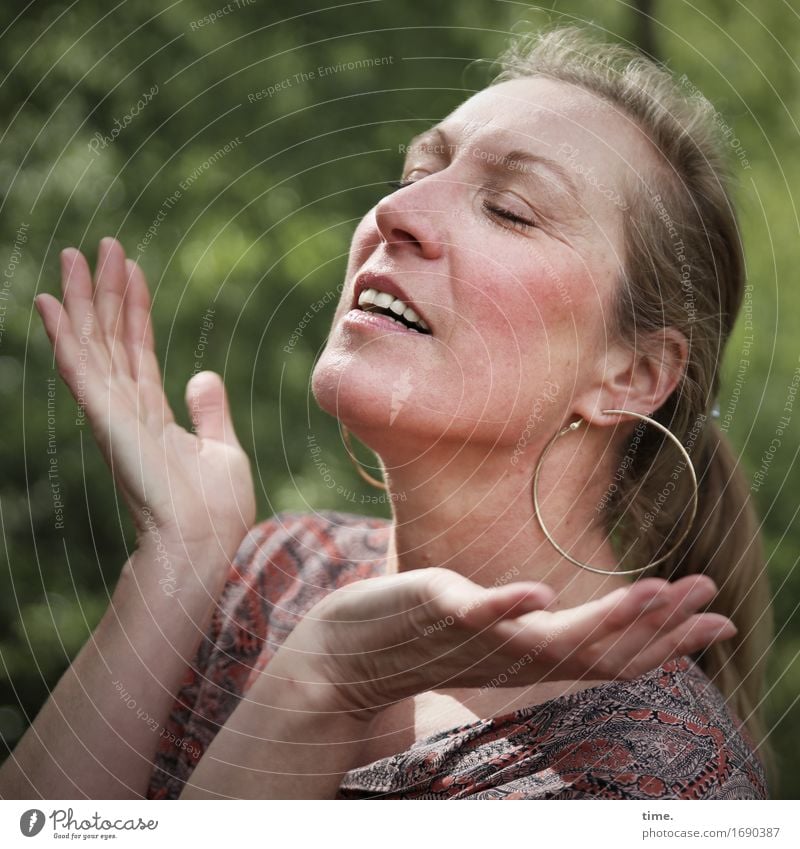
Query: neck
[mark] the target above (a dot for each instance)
(469, 508)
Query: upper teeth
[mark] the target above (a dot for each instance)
(384, 299)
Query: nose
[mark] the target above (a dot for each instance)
(408, 218)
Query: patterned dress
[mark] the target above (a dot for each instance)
(665, 734)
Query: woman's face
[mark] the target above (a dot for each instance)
(508, 243)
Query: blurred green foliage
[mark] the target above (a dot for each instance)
(260, 230)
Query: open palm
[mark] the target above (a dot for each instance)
(196, 488)
(390, 637)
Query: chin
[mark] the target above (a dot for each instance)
(379, 398)
(352, 391)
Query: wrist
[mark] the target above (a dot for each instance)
(155, 574)
(306, 689)
(290, 738)
(176, 543)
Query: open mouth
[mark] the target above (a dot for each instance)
(373, 300)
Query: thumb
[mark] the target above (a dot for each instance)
(207, 402)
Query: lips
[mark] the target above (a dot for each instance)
(371, 280)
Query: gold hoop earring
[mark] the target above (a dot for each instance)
(573, 427)
(367, 477)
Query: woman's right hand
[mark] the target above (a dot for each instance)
(191, 490)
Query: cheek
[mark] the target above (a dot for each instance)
(365, 239)
(524, 331)
(514, 317)
(362, 245)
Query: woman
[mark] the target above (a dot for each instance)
(554, 279)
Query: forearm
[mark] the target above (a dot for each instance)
(285, 740)
(97, 734)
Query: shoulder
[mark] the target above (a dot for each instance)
(665, 734)
(290, 561)
(327, 544)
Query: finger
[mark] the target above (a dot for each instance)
(76, 286)
(687, 596)
(109, 294)
(478, 608)
(139, 337)
(58, 329)
(696, 633)
(648, 603)
(447, 595)
(208, 406)
(517, 599)
(595, 620)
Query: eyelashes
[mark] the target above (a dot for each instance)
(494, 211)
(508, 215)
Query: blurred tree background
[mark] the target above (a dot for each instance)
(214, 144)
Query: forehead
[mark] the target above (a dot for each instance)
(594, 140)
(549, 111)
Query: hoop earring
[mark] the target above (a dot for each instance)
(355, 461)
(574, 426)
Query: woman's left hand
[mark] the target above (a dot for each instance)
(380, 640)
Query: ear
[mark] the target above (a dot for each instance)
(639, 379)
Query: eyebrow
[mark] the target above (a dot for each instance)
(510, 161)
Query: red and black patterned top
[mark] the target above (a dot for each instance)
(666, 734)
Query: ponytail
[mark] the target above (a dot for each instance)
(725, 544)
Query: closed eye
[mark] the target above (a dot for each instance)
(508, 215)
(493, 209)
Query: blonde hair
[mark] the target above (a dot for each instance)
(686, 195)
